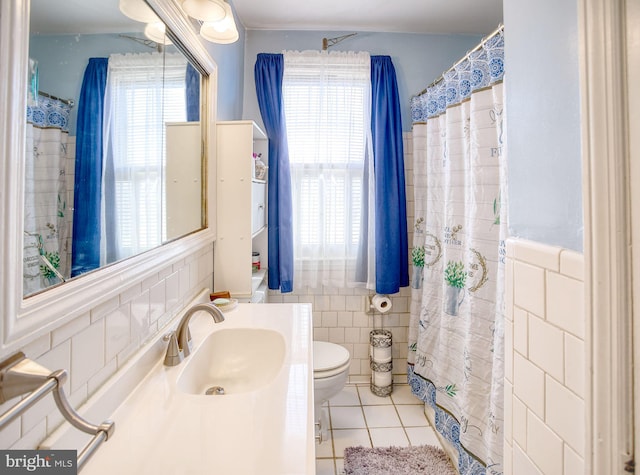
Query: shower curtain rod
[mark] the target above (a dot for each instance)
(69, 102)
(480, 45)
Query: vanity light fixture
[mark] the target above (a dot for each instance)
(138, 10)
(205, 10)
(156, 32)
(216, 16)
(223, 31)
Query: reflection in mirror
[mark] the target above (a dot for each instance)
(113, 153)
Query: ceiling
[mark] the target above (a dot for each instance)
(406, 16)
(60, 17)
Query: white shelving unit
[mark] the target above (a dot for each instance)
(241, 202)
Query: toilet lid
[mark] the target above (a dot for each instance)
(328, 356)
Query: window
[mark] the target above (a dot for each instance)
(327, 109)
(144, 91)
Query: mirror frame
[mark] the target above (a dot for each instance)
(26, 319)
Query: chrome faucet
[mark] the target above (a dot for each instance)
(180, 339)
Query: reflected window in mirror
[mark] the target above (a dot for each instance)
(105, 178)
(144, 93)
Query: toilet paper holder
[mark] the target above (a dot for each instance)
(381, 303)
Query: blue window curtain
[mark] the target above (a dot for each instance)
(85, 250)
(268, 77)
(392, 264)
(192, 90)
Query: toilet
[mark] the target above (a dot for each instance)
(330, 371)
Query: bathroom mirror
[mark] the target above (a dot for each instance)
(124, 179)
(25, 319)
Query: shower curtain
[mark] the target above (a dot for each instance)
(45, 209)
(456, 363)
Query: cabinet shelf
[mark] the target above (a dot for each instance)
(258, 232)
(241, 201)
(257, 278)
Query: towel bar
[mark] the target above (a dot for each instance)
(19, 375)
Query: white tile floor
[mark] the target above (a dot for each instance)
(359, 417)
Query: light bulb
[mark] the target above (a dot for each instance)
(137, 10)
(156, 31)
(222, 25)
(223, 31)
(205, 10)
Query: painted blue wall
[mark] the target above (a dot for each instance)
(543, 114)
(418, 58)
(230, 61)
(62, 60)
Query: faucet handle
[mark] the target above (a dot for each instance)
(174, 355)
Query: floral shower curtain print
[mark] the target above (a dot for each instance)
(45, 211)
(456, 330)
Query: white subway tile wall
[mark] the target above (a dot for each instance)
(337, 320)
(544, 391)
(544, 446)
(340, 316)
(93, 346)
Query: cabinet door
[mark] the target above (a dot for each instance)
(183, 182)
(258, 206)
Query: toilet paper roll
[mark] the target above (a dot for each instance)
(381, 303)
(380, 342)
(381, 379)
(381, 355)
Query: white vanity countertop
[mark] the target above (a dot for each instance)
(162, 431)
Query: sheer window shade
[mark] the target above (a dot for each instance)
(327, 108)
(144, 91)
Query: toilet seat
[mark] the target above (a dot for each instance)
(329, 359)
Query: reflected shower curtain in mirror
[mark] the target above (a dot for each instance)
(46, 214)
(144, 91)
(456, 333)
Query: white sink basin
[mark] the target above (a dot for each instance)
(237, 360)
(261, 354)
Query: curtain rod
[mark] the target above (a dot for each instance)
(144, 41)
(479, 46)
(328, 42)
(69, 102)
